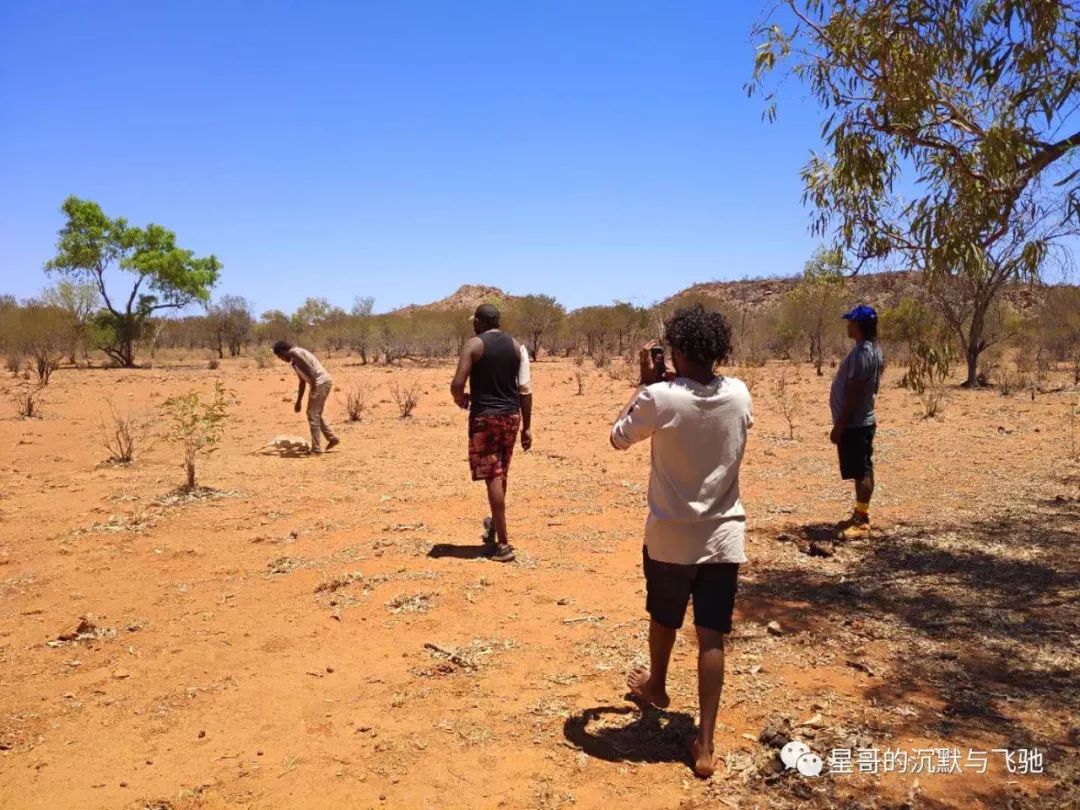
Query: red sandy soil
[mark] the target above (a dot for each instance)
(265, 647)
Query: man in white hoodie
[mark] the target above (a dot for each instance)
(697, 422)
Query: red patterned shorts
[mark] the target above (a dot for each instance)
(491, 444)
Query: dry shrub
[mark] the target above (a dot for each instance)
(580, 377)
(356, 401)
(751, 376)
(1009, 382)
(788, 401)
(406, 398)
(601, 359)
(263, 357)
(213, 364)
(14, 363)
(27, 399)
(124, 434)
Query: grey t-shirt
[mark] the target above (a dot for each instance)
(864, 362)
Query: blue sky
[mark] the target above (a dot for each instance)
(590, 150)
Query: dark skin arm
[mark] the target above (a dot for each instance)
(472, 351)
(852, 397)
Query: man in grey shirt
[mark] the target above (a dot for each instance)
(854, 392)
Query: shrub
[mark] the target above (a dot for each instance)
(928, 374)
(27, 399)
(601, 358)
(197, 426)
(580, 377)
(14, 363)
(788, 400)
(213, 364)
(356, 401)
(263, 357)
(123, 434)
(1072, 417)
(406, 398)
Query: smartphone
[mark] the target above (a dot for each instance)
(656, 354)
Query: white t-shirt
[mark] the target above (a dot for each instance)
(698, 437)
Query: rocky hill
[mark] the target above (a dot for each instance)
(467, 297)
(880, 290)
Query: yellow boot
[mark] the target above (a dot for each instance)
(858, 526)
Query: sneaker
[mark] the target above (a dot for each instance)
(334, 442)
(504, 552)
(853, 529)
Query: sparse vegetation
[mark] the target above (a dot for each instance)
(788, 401)
(579, 375)
(123, 434)
(356, 401)
(197, 425)
(928, 375)
(263, 357)
(27, 399)
(406, 398)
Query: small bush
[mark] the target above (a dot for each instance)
(197, 426)
(601, 359)
(27, 399)
(14, 363)
(580, 377)
(213, 364)
(751, 376)
(263, 357)
(123, 434)
(406, 398)
(788, 401)
(356, 401)
(927, 375)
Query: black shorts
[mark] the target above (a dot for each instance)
(856, 450)
(669, 586)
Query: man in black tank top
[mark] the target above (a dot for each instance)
(499, 402)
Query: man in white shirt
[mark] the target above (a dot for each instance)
(694, 534)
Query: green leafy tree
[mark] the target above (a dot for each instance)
(91, 246)
(274, 325)
(310, 315)
(950, 140)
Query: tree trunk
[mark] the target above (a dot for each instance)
(190, 475)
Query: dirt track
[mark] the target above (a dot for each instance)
(235, 663)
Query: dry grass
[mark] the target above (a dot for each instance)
(124, 434)
(356, 397)
(406, 398)
(27, 399)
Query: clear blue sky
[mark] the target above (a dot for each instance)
(590, 150)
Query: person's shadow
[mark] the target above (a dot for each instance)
(654, 736)
(441, 550)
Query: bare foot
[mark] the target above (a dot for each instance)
(704, 764)
(643, 690)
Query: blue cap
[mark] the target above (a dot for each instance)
(861, 313)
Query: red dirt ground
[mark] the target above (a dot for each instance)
(220, 675)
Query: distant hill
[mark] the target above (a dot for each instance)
(467, 297)
(880, 290)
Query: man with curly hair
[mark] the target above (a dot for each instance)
(697, 423)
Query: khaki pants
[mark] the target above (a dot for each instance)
(316, 403)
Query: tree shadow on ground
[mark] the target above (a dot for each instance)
(982, 614)
(653, 736)
(449, 550)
